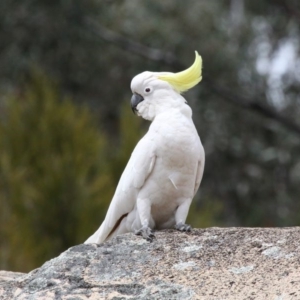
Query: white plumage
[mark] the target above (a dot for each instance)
(166, 167)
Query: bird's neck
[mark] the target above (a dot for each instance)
(174, 106)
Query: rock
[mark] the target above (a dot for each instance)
(213, 263)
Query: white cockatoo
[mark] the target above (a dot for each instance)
(166, 167)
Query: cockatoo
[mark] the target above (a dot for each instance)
(166, 167)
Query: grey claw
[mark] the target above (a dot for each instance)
(183, 227)
(146, 233)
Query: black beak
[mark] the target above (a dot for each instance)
(135, 100)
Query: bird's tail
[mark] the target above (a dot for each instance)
(104, 232)
(99, 236)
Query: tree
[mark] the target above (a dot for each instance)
(54, 176)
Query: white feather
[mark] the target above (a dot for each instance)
(165, 169)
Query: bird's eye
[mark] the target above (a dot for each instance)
(147, 90)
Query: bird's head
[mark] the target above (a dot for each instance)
(154, 92)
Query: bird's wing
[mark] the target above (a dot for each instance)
(200, 171)
(138, 169)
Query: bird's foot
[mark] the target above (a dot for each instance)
(183, 227)
(146, 233)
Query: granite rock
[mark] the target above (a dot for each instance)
(212, 263)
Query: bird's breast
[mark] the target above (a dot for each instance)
(178, 142)
(177, 150)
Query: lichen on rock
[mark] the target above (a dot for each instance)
(213, 263)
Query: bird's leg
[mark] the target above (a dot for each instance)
(181, 214)
(183, 227)
(146, 232)
(144, 212)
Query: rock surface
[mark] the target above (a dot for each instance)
(213, 263)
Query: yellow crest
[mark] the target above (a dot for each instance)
(185, 80)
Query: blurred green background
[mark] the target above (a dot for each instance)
(67, 130)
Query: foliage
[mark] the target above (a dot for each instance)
(54, 177)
